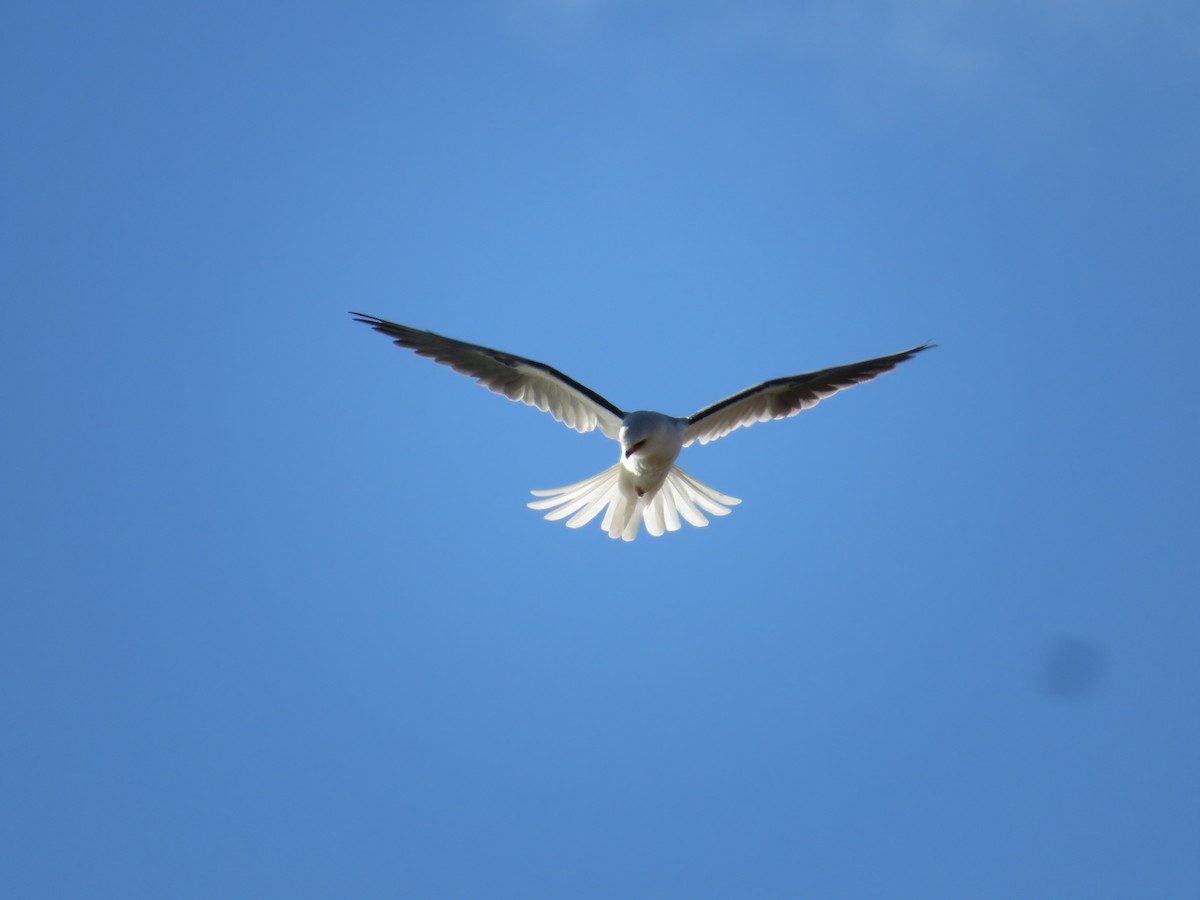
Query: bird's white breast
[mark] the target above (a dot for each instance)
(650, 443)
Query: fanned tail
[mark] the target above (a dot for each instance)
(681, 497)
(583, 500)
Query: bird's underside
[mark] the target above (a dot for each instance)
(644, 485)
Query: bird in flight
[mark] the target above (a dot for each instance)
(644, 485)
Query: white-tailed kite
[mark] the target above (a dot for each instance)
(645, 484)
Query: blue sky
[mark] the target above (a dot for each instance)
(275, 621)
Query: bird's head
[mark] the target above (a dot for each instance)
(635, 431)
(638, 429)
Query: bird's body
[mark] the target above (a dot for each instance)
(645, 485)
(650, 444)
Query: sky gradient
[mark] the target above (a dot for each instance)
(274, 620)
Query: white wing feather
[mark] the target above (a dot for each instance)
(783, 397)
(524, 380)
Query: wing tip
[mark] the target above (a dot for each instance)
(383, 326)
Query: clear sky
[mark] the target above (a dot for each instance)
(274, 619)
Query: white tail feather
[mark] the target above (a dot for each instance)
(613, 492)
(653, 515)
(670, 513)
(683, 503)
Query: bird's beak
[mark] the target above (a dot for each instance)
(634, 449)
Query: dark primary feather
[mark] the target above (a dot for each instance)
(516, 377)
(782, 397)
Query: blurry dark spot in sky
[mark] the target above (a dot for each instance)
(1072, 669)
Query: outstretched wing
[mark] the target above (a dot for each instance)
(782, 397)
(517, 378)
